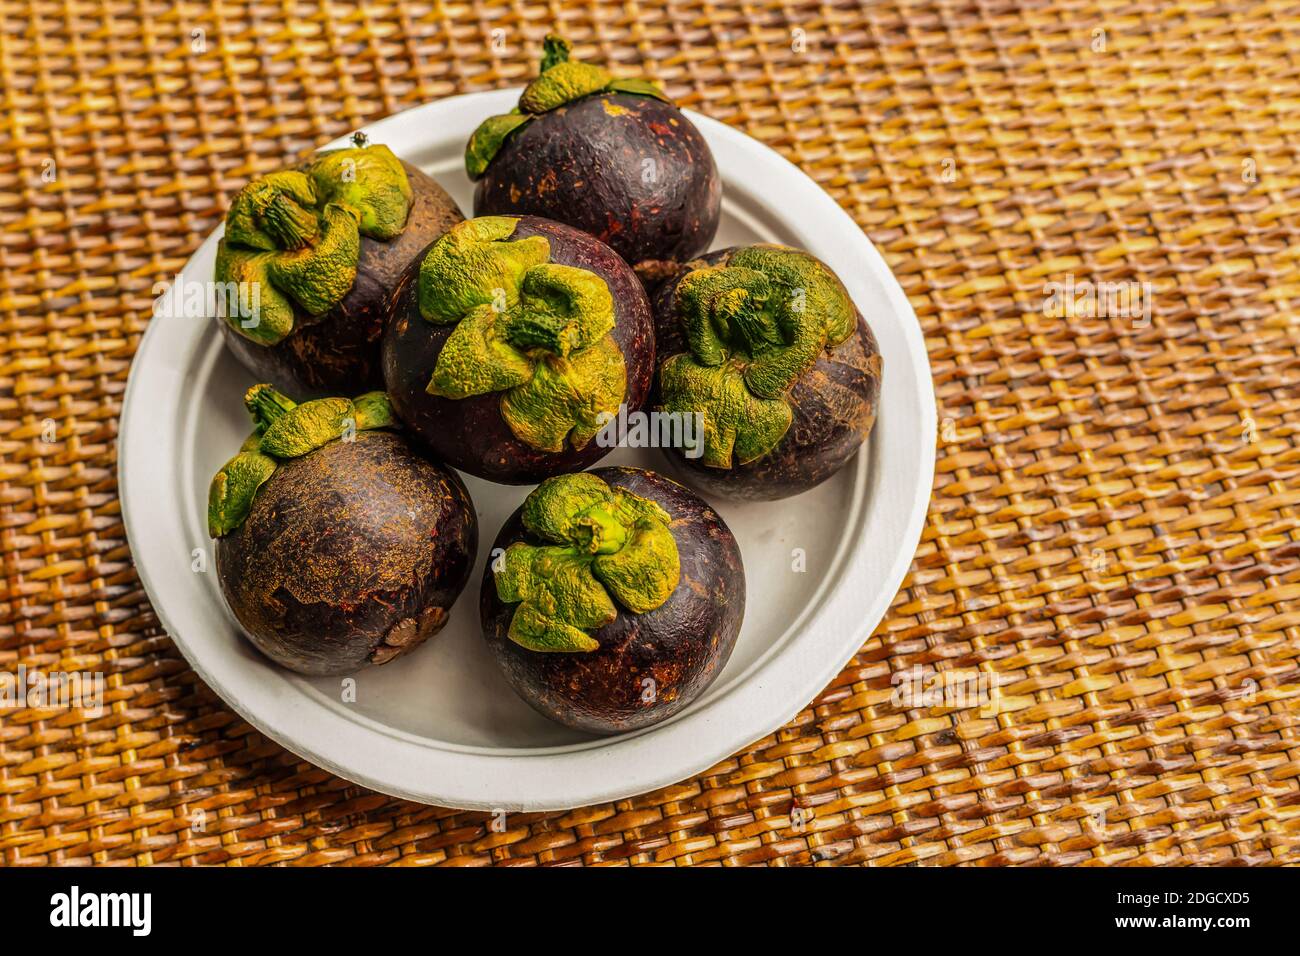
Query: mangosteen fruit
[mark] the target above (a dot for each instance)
(308, 258)
(612, 157)
(613, 598)
(765, 347)
(512, 342)
(337, 546)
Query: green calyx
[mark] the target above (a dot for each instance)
(602, 545)
(284, 429)
(533, 330)
(294, 236)
(559, 81)
(753, 327)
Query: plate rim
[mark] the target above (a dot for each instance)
(728, 735)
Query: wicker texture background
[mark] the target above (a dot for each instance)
(1115, 530)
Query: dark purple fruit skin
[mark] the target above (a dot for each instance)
(352, 555)
(469, 433)
(339, 352)
(579, 165)
(834, 404)
(681, 645)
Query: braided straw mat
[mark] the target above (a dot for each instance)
(1114, 537)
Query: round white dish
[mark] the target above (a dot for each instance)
(441, 726)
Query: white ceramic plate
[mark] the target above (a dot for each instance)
(441, 726)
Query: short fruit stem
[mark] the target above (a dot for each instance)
(290, 225)
(554, 333)
(266, 404)
(600, 532)
(754, 327)
(555, 49)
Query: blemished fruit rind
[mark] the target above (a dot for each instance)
(350, 555)
(511, 340)
(767, 346)
(283, 430)
(646, 665)
(599, 548)
(560, 81)
(613, 157)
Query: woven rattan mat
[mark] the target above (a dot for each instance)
(1113, 540)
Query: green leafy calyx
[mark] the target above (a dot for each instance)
(294, 236)
(560, 81)
(284, 429)
(753, 325)
(535, 331)
(601, 545)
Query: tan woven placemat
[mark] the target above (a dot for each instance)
(1114, 537)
